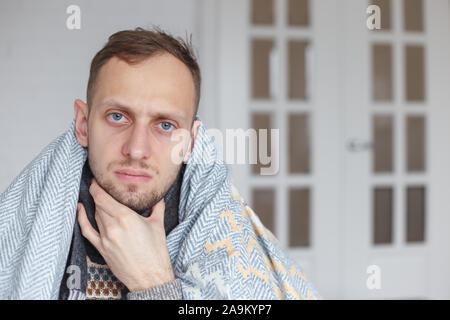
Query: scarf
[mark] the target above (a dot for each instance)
(218, 250)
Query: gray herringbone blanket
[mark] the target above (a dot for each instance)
(219, 249)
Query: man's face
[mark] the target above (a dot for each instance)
(135, 110)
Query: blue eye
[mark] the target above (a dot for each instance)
(166, 126)
(116, 116)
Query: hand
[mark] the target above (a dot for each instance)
(134, 247)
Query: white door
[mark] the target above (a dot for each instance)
(277, 69)
(396, 132)
(304, 67)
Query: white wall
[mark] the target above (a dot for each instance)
(44, 66)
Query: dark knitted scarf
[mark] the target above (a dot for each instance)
(81, 247)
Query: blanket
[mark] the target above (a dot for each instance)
(219, 250)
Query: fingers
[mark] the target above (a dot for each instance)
(99, 216)
(158, 212)
(86, 228)
(104, 201)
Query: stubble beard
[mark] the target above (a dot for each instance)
(129, 195)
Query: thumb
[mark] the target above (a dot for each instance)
(158, 212)
(86, 228)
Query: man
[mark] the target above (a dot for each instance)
(157, 218)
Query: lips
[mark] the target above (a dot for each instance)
(132, 172)
(130, 175)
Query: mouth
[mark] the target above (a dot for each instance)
(129, 175)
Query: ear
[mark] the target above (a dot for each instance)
(81, 122)
(194, 130)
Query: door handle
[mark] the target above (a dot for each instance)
(355, 145)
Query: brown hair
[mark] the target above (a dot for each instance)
(134, 46)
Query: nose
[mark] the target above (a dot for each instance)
(137, 147)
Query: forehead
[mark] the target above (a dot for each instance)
(159, 82)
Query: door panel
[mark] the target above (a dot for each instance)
(392, 101)
(363, 178)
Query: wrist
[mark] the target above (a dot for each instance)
(145, 283)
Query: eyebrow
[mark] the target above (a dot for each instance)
(176, 115)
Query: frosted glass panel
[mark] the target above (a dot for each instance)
(382, 215)
(385, 12)
(382, 72)
(261, 121)
(299, 143)
(383, 144)
(263, 205)
(299, 212)
(413, 15)
(262, 12)
(298, 12)
(415, 214)
(297, 74)
(261, 49)
(415, 73)
(415, 131)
